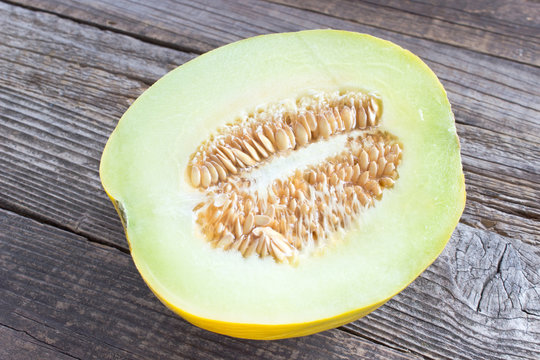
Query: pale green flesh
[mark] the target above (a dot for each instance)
(143, 167)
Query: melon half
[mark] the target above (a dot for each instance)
(246, 186)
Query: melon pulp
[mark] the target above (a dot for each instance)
(145, 170)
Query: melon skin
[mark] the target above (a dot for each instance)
(142, 172)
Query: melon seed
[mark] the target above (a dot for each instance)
(306, 207)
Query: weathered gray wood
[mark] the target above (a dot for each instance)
(491, 27)
(517, 17)
(19, 345)
(62, 296)
(63, 86)
(495, 102)
(62, 89)
(480, 299)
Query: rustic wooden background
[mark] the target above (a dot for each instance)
(69, 69)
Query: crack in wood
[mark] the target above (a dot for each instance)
(358, 333)
(496, 281)
(490, 278)
(41, 342)
(92, 301)
(477, 194)
(60, 225)
(487, 309)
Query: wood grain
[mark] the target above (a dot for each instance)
(102, 72)
(18, 344)
(489, 27)
(62, 296)
(505, 29)
(87, 301)
(63, 88)
(480, 299)
(63, 85)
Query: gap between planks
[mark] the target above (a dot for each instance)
(146, 39)
(462, 121)
(396, 348)
(355, 20)
(364, 346)
(93, 240)
(45, 221)
(198, 51)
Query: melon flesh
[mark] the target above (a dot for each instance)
(143, 171)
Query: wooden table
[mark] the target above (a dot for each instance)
(69, 69)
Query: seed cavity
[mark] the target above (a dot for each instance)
(302, 211)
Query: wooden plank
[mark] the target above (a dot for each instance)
(206, 24)
(169, 23)
(480, 299)
(59, 114)
(62, 296)
(53, 128)
(489, 27)
(19, 345)
(63, 88)
(515, 17)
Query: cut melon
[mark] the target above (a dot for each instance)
(287, 184)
